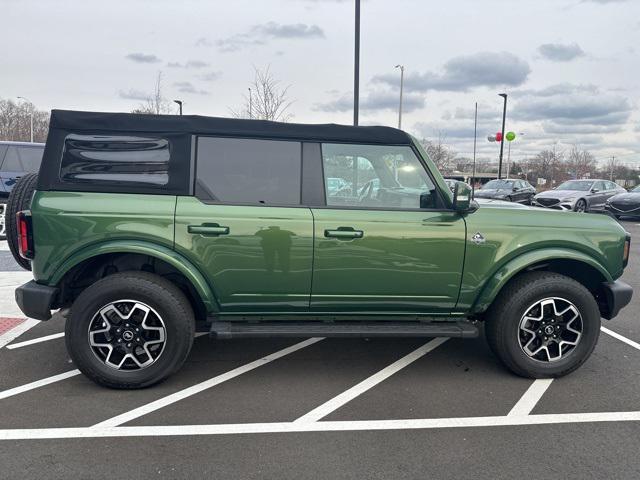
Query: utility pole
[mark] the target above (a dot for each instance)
(250, 104)
(401, 67)
(31, 111)
(613, 164)
(504, 117)
(356, 73)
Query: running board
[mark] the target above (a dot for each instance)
(459, 329)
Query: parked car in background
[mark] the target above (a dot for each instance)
(624, 204)
(510, 190)
(335, 184)
(16, 159)
(579, 195)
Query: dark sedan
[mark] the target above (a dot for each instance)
(625, 204)
(510, 190)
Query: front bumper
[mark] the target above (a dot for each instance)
(35, 300)
(563, 206)
(617, 295)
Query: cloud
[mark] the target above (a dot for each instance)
(188, 64)
(573, 109)
(374, 101)
(263, 33)
(188, 87)
(203, 42)
(558, 52)
(603, 1)
(210, 77)
(133, 94)
(143, 58)
(484, 69)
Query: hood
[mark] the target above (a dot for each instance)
(502, 204)
(562, 194)
(493, 191)
(631, 197)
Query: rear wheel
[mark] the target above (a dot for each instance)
(130, 330)
(19, 199)
(543, 325)
(581, 206)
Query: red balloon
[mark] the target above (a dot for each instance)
(499, 137)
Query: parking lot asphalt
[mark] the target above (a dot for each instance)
(323, 408)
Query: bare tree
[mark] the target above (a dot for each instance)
(155, 103)
(547, 164)
(440, 153)
(580, 163)
(15, 122)
(266, 99)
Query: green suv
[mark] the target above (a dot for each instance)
(145, 229)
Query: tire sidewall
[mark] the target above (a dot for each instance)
(3, 204)
(590, 328)
(177, 344)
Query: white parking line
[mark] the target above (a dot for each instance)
(37, 384)
(635, 345)
(531, 397)
(212, 382)
(368, 383)
(35, 340)
(296, 427)
(16, 331)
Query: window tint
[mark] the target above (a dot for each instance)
(376, 176)
(30, 158)
(11, 161)
(115, 160)
(249, 171)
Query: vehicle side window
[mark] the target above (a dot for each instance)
(3, 150)
(376, 176)
(612, 186)
(599, 186)
(11, 161)
(249, 171)
(115, 160)
(30, 158)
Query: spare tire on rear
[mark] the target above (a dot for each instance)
(19, 199)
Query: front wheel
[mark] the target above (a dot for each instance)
(130, 330)
(543, 325)
(581, 206)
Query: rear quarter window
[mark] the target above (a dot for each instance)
(115, 160)
(30, 158)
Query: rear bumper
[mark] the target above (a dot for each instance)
(617, 296)
(35, 300)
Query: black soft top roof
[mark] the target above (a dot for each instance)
(194, 124)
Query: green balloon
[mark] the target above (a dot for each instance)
(511, 136)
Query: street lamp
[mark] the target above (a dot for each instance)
(31, 108)
(504, 117)
(401, 67)
(179, 102)
(356, 67)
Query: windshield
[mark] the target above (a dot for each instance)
(575, 185)
(497, 184)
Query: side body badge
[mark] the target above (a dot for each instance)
(478, 239)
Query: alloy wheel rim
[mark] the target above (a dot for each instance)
(581, 207)
(550, 329)
(127, 335)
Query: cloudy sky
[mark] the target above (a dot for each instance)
(571, 67)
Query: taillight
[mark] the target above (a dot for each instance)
(25, 234)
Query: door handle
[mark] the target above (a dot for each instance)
(213, 230)
(344, 233)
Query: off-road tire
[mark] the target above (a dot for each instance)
(156, 292)
(19, 199)
(502, 323)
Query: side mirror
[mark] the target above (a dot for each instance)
(594, 190)
(462, 201)
(515, 189)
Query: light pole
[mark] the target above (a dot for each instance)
(179, 102)
(356, 69)
(30, 108)
(250, 104)
(504, 117)
(401, 67)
